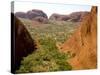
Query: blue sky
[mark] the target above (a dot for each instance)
(49, 8)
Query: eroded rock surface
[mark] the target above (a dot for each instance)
(83, 43)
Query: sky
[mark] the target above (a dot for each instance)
(50, 8)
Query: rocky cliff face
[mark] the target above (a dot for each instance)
(83, 43)
(34, 14)
(23, 43)
(75, 16)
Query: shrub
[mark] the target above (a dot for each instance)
(45, 59)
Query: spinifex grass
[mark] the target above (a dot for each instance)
(47, 57)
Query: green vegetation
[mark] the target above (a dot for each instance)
(47, 57)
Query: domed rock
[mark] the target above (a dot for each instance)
(59, 17)
(21, 15)
(36, 13)
(75, 16)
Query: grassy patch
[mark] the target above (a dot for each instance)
(47, 57)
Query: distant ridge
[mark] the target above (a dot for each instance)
(75, 16)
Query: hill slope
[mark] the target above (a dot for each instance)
(82, 45)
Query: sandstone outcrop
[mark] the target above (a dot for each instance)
(36, 15)
(83, 43)
(21, 14)
(23, 44)
(75, 16)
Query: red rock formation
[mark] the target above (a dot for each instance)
(59, 17)
(40, 19)
(83, 43)
(75, 16)
(35, 14)
(21, 14)
(22, 43)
